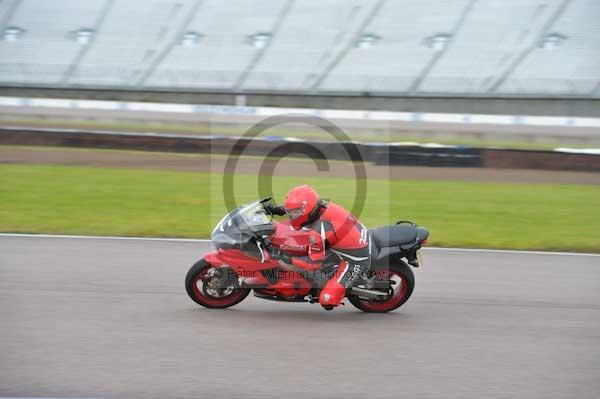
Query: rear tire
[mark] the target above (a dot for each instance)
(401, 293)
(196, 275)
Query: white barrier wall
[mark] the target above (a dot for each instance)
(324, 113)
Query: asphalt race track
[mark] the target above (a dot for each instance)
(110, 318)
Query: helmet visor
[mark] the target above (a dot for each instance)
(294, 213)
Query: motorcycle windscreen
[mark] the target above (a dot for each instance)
(239, 226)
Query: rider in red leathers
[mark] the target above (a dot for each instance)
(331, 229)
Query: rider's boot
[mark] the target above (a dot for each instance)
(332, 294)
(334, 291)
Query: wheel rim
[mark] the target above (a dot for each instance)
(203, 291)
(399, 295)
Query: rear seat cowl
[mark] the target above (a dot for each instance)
(396, 235)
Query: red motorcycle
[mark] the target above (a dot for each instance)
(242, 263)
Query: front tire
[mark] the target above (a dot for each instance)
(402, 290)
(196, 281)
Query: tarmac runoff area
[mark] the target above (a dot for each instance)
(283, 167)
(110, 318)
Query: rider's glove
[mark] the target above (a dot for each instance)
(275, 210)
(279, 254)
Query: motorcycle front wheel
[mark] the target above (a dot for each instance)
(400, 291)
(201, 284)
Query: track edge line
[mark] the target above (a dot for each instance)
(198, 240)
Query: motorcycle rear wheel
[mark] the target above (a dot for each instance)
(402, 290)
(198, 274)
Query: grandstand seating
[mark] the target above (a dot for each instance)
(415, 47)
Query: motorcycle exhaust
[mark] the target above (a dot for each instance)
(370, 294)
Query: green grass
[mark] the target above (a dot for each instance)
(103, 201)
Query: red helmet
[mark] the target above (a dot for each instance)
(301, 204)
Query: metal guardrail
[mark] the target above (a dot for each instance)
(423, 156)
